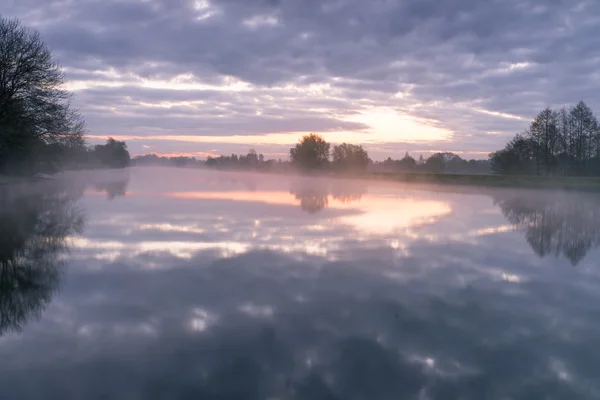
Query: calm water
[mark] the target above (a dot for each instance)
(182, 284)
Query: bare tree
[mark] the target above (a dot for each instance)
(583, 126)
(563, 148)
(35, 108)
(544, 133)
(565, 142)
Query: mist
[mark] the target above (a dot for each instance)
(211, 284)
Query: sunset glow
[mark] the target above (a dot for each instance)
(262, 74)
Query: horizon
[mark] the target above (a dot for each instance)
(202, 156)
(219, 77)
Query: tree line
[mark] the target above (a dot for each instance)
(563, 142)
(439, 163)
(39, 129)
(313, 152)
(155, 160)
(252, 160)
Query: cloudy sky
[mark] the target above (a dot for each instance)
(199, 77)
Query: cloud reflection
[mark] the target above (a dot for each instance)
(225, 216)
(238, 212)
(265, 325)
(231, 294)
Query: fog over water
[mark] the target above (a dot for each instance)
(155, 283)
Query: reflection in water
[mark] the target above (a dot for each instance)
(113, 182)
(348, 192)
(559, 224)
(385, 215)
(313, 198)
(262, 325)
(314, 195)
(248, 182)
(218, 292)
(112, 188)
(33, 231)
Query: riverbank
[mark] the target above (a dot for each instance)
(18, 179)
(22, 179)
(587, 184)
(500, 181)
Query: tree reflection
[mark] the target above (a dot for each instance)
(560, 224)
(113, 188)
(348, 192)
(113, 183)
(314, 195)
(312, 200)
(34, 226)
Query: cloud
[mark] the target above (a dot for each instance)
(252, 67)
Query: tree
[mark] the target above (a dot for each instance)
(595, 164)
(311, 153)
(563, 143)
(516, 158)
(113, 154)
(407, 163)
(435, 164)
(544, 135)
(583, 125)
(252, 157)
(566, 142)
(35, 110)
(445, 162)
(349, 157)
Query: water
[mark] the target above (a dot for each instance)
(183, 284)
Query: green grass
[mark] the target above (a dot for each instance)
(506, 181)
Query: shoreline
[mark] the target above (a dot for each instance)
(532, 182)
(584, 184)
(587, 184)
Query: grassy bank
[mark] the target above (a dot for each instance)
(588, 184)
(507, 181)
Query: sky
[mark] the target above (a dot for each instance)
(210, 77)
